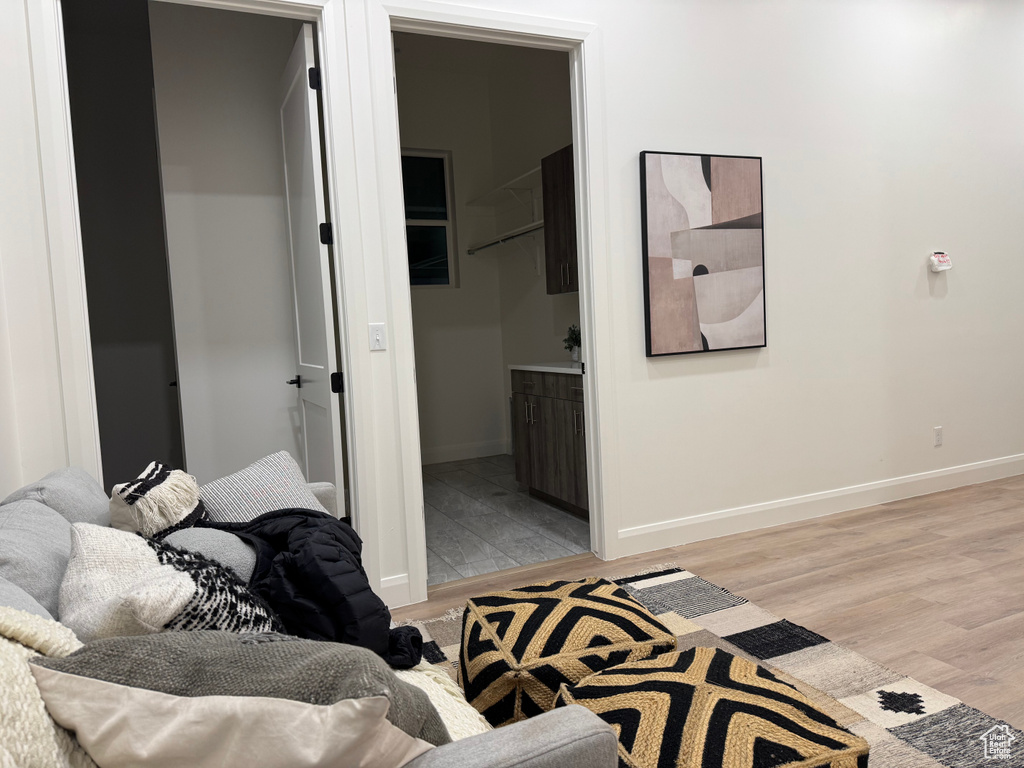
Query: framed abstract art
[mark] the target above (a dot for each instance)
(703, 252)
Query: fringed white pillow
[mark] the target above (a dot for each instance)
(159, 501)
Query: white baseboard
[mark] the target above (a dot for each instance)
(684, 530)
(442, 453)
(395, 590)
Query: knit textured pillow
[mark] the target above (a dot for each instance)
(28, 735)
(272, 483)
(705, 707)
(118, 583)
(159, 501)
(519, 646)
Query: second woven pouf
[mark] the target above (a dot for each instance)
(705, 708)
(520, 646)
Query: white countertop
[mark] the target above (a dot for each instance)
(566, 367)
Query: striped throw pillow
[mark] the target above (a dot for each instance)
(272, 483)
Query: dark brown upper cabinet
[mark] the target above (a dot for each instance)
(558, 187)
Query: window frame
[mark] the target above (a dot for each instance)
(449, 224)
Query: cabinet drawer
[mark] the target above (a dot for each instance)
(526, 382)
(574, 387)
(562, 386)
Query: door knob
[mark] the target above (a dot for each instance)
(297, 381)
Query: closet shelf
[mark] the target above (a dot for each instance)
(504, 193)
(505, 237)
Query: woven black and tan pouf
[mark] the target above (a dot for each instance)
(519, 646)
(705, 708)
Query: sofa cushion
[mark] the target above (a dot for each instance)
(520, 645)
(272, 483)
(285, 702)
(327, 495)
(220, 546)
(13, 596)
(72, 492)
(705, 706)
(118, 583)
(35, 543)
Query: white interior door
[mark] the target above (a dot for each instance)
(318, 407)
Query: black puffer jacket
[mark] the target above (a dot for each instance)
(308, 568)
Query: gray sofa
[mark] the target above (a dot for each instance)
(35, 523)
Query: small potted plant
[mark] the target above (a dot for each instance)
(573, 342)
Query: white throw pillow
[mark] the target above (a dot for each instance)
(120, 725)
(118, 584)
(114, 585)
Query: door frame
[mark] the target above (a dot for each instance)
(363, 154)
(582, 42)
(59, 180)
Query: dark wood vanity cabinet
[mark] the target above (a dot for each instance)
(558, 187)
(548, 429)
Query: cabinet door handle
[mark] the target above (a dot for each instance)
(527, 407)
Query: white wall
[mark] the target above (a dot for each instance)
(887, 130)
(218, 90)
(32, 430)
(444, 104)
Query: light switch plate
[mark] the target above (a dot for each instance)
(378, 337)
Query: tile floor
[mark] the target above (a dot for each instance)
(480, 520)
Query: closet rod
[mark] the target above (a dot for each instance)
(506, 237)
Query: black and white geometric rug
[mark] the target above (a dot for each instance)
(907, 724)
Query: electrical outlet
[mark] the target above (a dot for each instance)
(938, 437)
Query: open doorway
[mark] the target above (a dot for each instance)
(486, 132)
(231, 166)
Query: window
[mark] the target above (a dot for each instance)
(429, 217)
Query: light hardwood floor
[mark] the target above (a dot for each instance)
(932, 587)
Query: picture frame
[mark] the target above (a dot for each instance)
(702, 219)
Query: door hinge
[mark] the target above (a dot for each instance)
(314, 78)
(337, 382)
(583, 368)
(327, 234)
